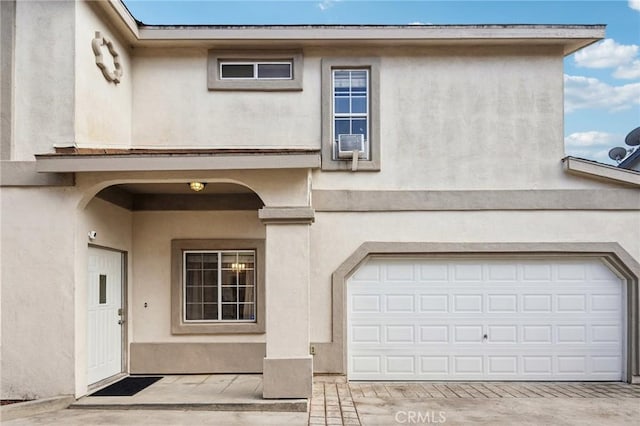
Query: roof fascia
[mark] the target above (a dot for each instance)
(571, 37)
(120, 16)
(586, 168)
(119, 163)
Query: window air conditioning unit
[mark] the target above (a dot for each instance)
(349, 143)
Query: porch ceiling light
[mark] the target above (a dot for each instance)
(197, 186)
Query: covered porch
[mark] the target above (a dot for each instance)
(255, 207)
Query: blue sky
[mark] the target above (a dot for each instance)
(602, 82)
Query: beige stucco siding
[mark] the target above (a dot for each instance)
(37, 305)
(44, 77)
(152, 235)
(335, 236)
(467, 118)
(103, 108)
(172, 107)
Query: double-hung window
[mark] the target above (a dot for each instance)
(351, 107)
(351, 113)
(219, 285)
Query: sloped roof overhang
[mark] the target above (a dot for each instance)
(595, 170)
(121, 160)
(569, 37)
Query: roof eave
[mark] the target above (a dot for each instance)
(593, 170)
(571, 37)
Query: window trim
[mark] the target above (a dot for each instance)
(256, 65)
(179, 325)
(219, 286)
(217, 57)
(351, 116)
(372, 64)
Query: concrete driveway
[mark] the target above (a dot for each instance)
(475, 403)
(335, 402)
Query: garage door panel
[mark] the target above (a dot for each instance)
(503, 320)
(434, 303)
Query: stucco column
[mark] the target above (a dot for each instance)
(288, 367)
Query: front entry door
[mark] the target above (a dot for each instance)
(104, 327)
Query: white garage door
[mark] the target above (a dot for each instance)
(415, 319)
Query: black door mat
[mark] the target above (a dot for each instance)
(128, 386)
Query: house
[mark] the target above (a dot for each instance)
(382, 202)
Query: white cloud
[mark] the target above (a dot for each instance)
(606, 54)
(420, 23)
(592, 138)
(585, 92)
(634, 4)
(326, 4)
(629, 72)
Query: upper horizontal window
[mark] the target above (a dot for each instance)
(256, 70)
(279, 70)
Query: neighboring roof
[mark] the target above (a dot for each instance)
(593, 169)
(570, 37)
(631, 160)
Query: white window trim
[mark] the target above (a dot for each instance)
(219, 56)
(372, 64)
(181, 327)
(219, 286)
(255, 65)
(350, 115)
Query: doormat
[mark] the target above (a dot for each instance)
(128, 386)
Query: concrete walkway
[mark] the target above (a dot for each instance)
(189, 400)
(212, 392)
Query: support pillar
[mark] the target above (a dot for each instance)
(288, 366)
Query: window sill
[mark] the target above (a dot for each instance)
(217, 328)
(345, 166)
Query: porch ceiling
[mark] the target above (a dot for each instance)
(178, 196)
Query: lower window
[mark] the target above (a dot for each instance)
(219, 285)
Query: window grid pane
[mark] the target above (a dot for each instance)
(351, 105)
(219, 286)
(256, 70)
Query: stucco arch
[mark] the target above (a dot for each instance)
(276, 188)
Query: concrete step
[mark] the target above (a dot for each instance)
(108, 403)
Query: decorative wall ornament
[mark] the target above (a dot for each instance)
(109, 74)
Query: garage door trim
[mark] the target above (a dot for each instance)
(331, 357)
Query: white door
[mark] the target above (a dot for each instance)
(104, 331)
(498, 319)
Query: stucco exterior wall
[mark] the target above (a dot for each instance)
(103, 108)
(45, 77)
(466, 118)
(113, 226)
(343, 233)
(172, 107)
(151, 280)
(37, 254)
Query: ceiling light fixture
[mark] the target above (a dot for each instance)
(197, 186)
